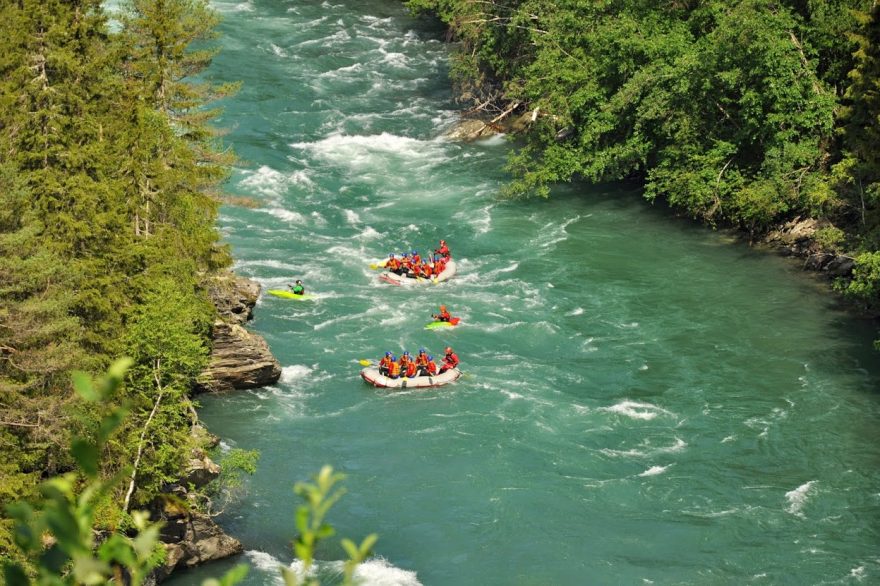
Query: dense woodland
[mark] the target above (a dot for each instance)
(107, 231)
(740, 113)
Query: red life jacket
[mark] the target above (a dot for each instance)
(411, 369)
(386, 362)
(451, 360)
(432, 367)
(416, 259)
(422, 359)
(444, 316)
(393, 264)
(443, 250)
(394, 370)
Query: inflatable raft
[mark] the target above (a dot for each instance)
(372, 376)
(288, 294)
(396, 279)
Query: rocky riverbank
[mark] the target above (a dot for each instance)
(239, 360)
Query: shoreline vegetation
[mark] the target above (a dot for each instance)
(753, 115)
(110, 179)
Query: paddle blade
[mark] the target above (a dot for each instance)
(454, 321)
(364, 362)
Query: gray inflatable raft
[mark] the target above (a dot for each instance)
(372, 376)
(396, 279)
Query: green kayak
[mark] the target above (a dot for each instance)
(288, 294)
(443, 324)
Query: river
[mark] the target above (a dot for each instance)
(644, 402)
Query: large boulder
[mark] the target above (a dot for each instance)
(239, 360)
(233, 296)
(201, 540)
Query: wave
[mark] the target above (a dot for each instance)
(798, 497)
(654, 470)
(295, 372)
(636, 410)
(648, 451)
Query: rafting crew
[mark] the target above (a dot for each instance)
(422, 365)
(412, 265)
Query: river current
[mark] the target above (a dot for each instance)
(644, 402)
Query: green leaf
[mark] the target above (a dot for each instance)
(86, 455)
(14, 575)
(289, 576)
(82, 382)
(234, 576)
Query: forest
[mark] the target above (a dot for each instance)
(742, 114)
(108, 201)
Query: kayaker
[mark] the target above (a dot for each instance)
(450, 360)
(443, 250)
(297, 289)
(385, 363)
(443, 315)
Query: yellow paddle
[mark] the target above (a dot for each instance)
(365, 362)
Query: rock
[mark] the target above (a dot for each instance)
(202, 541)
(470, 129)
(840, 266)
(239, 360)
(200, 471)
(818, 261)
(233, 296)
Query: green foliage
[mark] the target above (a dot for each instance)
(107, 212)
(312, 528)
(229, 487)
(830, 238)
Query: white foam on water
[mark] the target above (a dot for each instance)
(636, 410)
(378, 572)
(286, 215)
(576, 311)
(278, 51)
(352, 217)
(858, 573)
(295, 372)
(367, 154)
(267, 563)
(552, 234)
(647, 451)
(798, 497)
(275, 264)
(654, 471)
(265, 180)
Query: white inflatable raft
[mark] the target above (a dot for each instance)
(396, 279)
(372, 376)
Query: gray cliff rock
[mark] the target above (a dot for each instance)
(239, 360)
(233, 296)
(797, 238)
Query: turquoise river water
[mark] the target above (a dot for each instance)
(644, 401)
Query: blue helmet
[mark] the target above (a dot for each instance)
(415, 252)
(391, 255)
(388, 354)
(405, 254)
(421, 350)
(430, 358)
(406, 353)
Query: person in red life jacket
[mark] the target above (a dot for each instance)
(404, 361)
(431, 367)
(439, 265)
(443, 250)
(394, 370)
(404, 264)
(393, 264)
(443, 315)
(411, 369)
(385, 363)
(415, 271)
(421, 361)
(416, 259)
(450, 361)
(425, 270)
